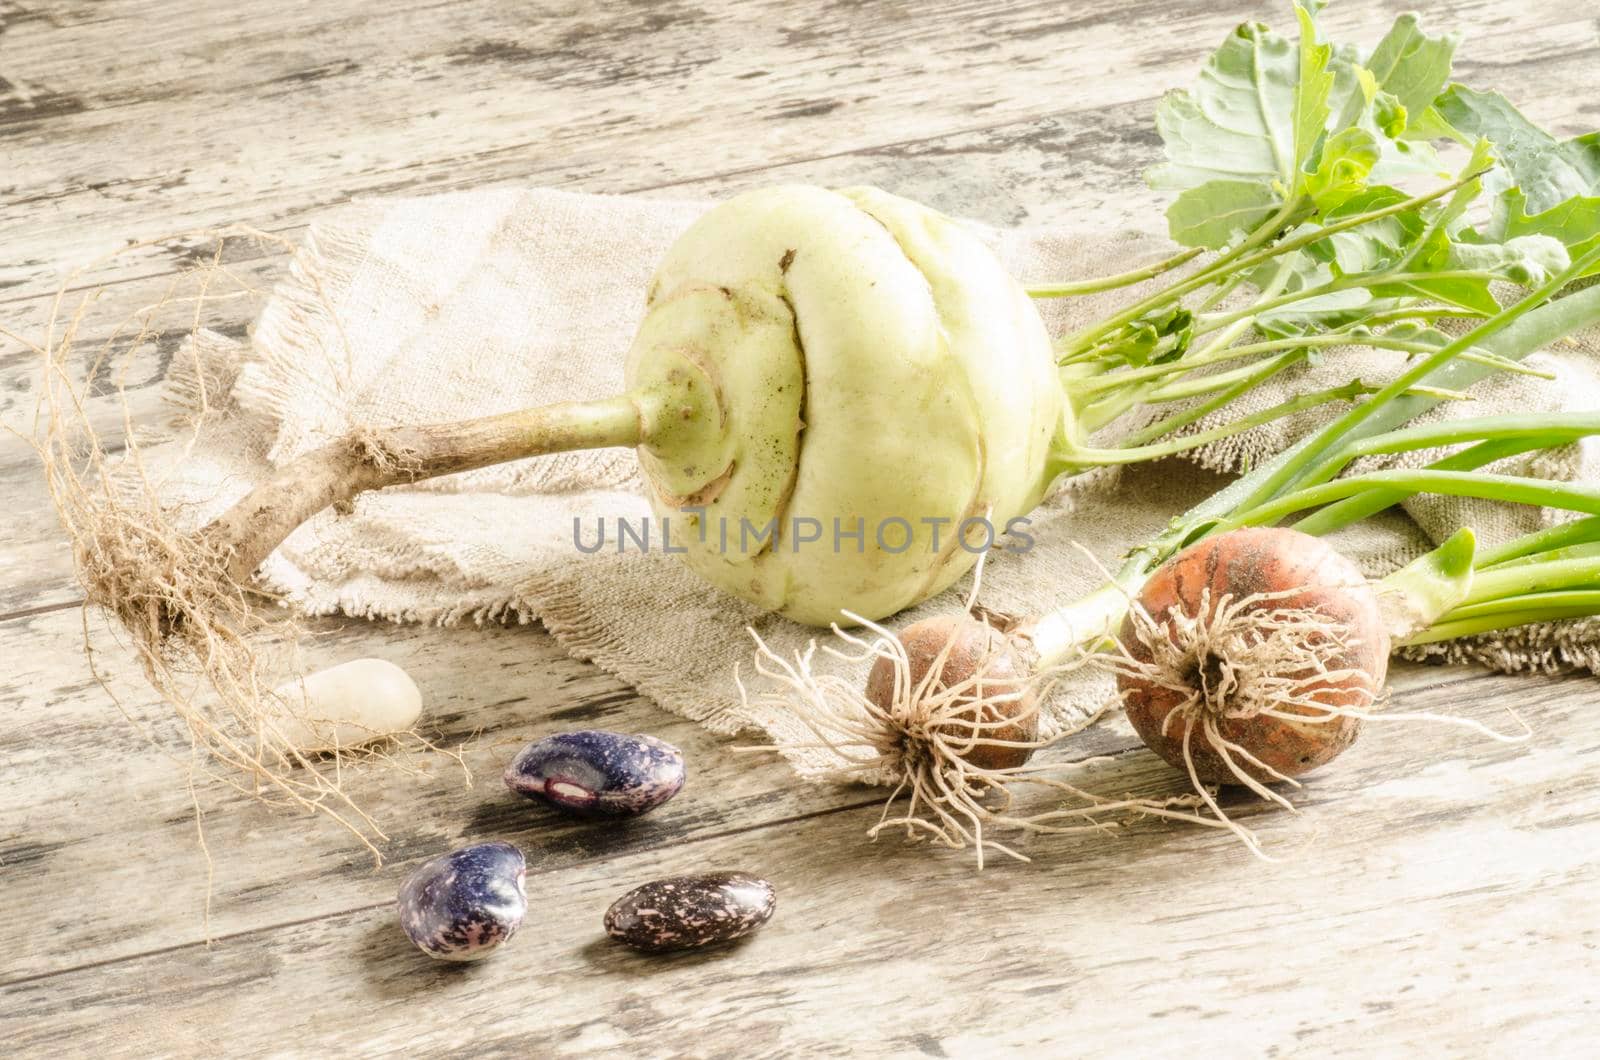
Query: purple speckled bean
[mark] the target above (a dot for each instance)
(598, 774)
(460, 906)
(686, 912)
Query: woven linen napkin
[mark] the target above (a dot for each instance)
(453, 306)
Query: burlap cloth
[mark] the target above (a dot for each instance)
(441, 308)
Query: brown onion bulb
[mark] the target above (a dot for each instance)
(967, 719)
(1244, 634)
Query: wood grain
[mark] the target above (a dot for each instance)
(65, 737)
(1422, 898)
(1429, 892)
(472, 94)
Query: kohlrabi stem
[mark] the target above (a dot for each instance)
(1420, 312)
(1180, 389)
(1353, 281)
(374, 458)
(1266, 230)
(1224, 289)
(1103, 410)
(1316, 235)
(1240, 259)
(1110, 283)
(1119, 380)
(1136, 454)
(1178, 420)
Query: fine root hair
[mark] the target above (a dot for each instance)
(212, 648)
(921, 742)
(1247, 657)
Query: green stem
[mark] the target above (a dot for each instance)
(1353, 281)
(1210, 384)
(1110, 283)
(1567, 599)
(1263, 232)
(1133, 455)
(1573, 311)
(1546, 428)
(1530, 610)
(1118, 380)
(1581, 572)
(1340, 514)
(1546, 540)
(1532, 331)
(1538, 492)
(1241, 261)
(1262, 372)
(1224, 289)
(1577, 550)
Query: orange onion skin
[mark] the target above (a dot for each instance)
(1243, 563)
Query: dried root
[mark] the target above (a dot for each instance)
(206, 643)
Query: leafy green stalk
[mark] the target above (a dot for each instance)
(1111, 283)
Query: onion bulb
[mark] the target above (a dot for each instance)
(1251, 657)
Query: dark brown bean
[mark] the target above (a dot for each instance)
(686, 912)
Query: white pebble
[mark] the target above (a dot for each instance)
(344, 706)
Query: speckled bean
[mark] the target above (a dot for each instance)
(462, 905)
(598, 774)
(686, 912)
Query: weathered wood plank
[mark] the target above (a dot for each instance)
(453, 102)
(85, 789)
(1422, 897)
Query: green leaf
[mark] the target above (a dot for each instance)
(1157, 337)
(1391, 93)
(1529, 260)
(1374, 245)
(1576, 222)
(1410, 65)
(1556, 190)
(1342, 171)
(1246, 119)
(1549, 171)
(1312, 90)
(1218, 212)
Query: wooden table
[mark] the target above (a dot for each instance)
(1436, 893)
